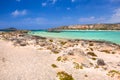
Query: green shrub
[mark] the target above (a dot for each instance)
(64, 76)
(91, 49)
(59, 58)
(63, 43)
(96, 66)
(106, 51)
(91, 44)
(92, 54)
(51, 40)
(113, 52)
(77, 65)
(93, 58)
(55, 51)
(54, 66)
(86, 75)
(112, 73)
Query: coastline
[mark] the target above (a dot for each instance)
(24, 56)
(87, 40)
(89, 30)
(82, 35)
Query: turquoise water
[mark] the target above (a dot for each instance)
(112, 36)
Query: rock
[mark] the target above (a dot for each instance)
(77, 51)
(100, 62)
(118, 64)
(23, 44)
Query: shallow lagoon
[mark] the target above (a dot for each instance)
(112, 36)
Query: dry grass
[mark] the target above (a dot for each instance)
(91, 44)
(59, 58)
(106, 51)
(96, 66)
(86, 75)
(54, 66)
(93, 58)
(112, 73)
(64, 76)
(77, 65)
(92, 54)
(63, 43)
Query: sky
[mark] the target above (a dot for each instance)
(42, 14)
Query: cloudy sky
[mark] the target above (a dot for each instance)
(41, 14)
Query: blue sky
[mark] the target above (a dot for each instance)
(41, 14)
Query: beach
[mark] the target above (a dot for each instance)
(28, 57)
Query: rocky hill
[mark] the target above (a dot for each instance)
(89, 27)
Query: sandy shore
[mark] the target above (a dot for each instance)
(24, 57)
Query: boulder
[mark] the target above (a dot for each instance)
(100, 62)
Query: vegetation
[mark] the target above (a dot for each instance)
(55, 51)
(59, 58)
(113, 52)
(91, 44)
(96, 66)
(91, 49)
(86, 75)
(62, 58)
(112, 73)
(64, 76)
(106, 51)
(77, 65)
(63, 43)
(51, 40)
(54, 66)
(93, 58)
(92, 54)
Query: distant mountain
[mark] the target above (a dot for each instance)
(88, 27)
(9, 29)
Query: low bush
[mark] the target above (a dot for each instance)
(54, 66)
(92, 54)
(64, 76)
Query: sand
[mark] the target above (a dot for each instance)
(33, 62)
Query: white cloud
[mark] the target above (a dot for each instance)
(92, 19)
(19, 13)
(18, 0)
(68, 8)
(49, 2)
(115, 16)
(54, 1)
(72, 0)
(44, 4)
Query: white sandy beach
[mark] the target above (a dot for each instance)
(34, 61)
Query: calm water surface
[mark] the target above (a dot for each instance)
(112, 36)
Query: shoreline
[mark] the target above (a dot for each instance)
(68, 38)
(24, 56)
(96, 41)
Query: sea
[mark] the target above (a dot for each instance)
(99, 35)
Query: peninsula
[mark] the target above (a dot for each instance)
(88, 27)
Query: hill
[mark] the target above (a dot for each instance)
(89, 27)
